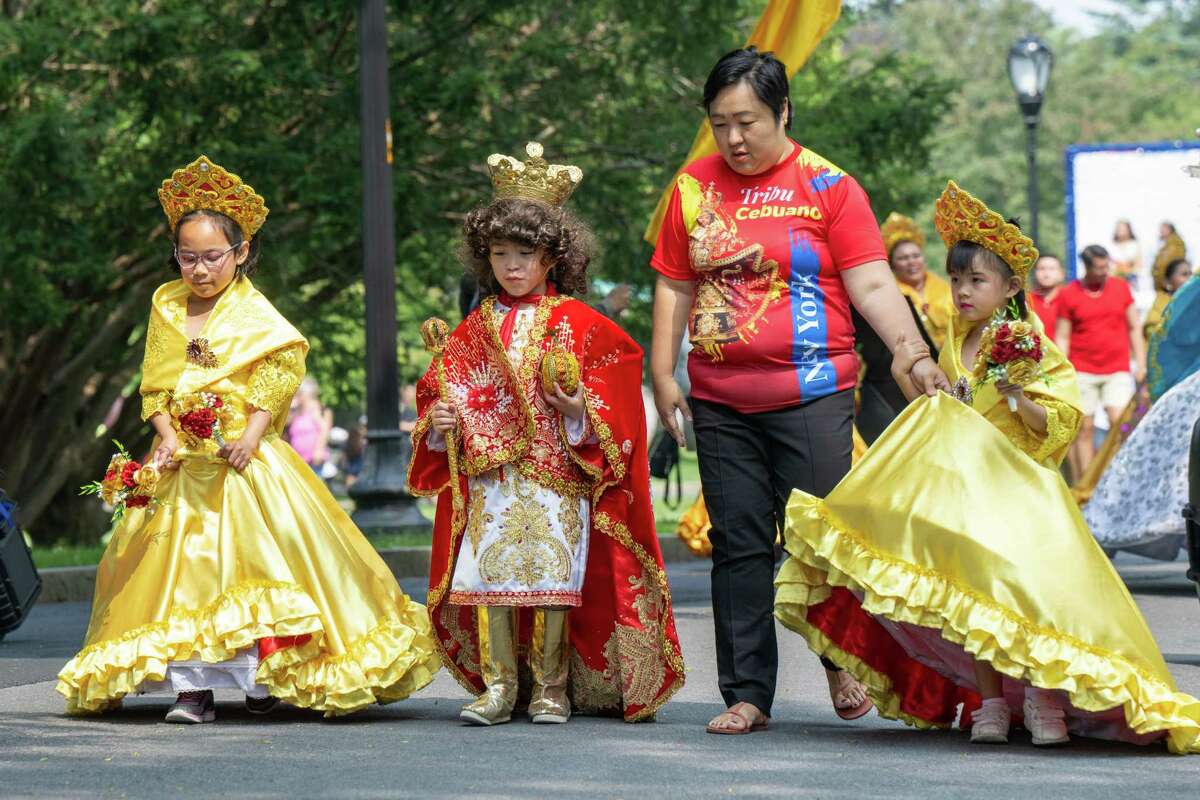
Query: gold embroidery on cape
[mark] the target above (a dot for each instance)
(458, 635)
(736, 283)
(593, 690)
(655, 581)
(526, 551)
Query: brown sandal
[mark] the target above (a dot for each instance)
(853, 712)
(736, 710)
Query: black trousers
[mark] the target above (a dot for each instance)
(749, 464)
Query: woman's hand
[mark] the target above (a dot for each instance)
(927, 377)
(907, 353)
(668, 397)
(567, 405)
(443, 418)
(239, 452)
(164, 454)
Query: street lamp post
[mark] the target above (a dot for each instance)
(1029, 64)
(380, 497)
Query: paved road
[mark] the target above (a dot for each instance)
(418, 749)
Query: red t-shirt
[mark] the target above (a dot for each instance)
(1099, 332)
(1047, 311)
(770, 320)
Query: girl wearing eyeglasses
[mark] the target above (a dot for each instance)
(245, 574)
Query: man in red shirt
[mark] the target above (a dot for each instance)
(1097, 328)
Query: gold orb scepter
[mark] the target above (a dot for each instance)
(435, 333)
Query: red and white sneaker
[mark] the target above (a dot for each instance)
(193, 707)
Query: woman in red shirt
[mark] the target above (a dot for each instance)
(764, 248)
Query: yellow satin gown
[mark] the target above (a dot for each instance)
(959, 538)
(233, 560)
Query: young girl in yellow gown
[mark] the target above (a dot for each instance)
(951, 564)
(247, 575)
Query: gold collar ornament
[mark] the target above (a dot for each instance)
(200, 353)
(534, 179)
(898, 228)
(959, 216)
(205, 185)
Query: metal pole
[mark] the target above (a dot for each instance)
(1031, 157)
(380, 497)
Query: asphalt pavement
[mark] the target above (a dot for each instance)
(418, 748)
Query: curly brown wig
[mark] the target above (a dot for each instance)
(568, 243)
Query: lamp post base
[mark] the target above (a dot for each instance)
(382, 502)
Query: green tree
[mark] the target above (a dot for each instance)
(1136, 79)
(99, 101)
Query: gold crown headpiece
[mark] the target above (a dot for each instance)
(534, 179)
(205, 185)
(898, 228)
(958, 216)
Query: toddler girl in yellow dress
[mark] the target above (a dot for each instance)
(951, 565)
(247, 574)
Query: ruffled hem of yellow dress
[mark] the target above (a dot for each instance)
(398, 657)
(1094, 679)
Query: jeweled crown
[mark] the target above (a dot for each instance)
(898, 228)
(533, 179)
(205, 185)
(959, 216)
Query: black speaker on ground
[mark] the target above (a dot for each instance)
(20, 583)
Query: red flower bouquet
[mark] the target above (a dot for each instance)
(126, 484)
(1010, 350)
(200, 417)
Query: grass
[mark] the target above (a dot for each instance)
(67, 555)
(666, 520)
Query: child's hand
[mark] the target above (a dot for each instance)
(908, 353)
(567, 405)
(238, 453)
(1012, 390)
(164, 454)
(444, 418)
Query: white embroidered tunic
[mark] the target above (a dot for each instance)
(524, 544)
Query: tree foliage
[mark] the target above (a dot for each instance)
(99, 101)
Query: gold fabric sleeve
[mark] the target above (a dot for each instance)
(154, 403)
(275, 379)
(1062, 422)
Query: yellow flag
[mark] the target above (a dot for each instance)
(791, 29)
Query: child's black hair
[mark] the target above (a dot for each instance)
(964, 256)
(233, 234)
(567, 241)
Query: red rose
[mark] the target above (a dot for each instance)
(137, 501)
(127, 473)
(110, 475)
(199, 423)
(216, 403)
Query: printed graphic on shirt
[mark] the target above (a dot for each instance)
(736, 282)
(810, 337)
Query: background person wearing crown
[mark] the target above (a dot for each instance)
(247, 574)
(951, 565)
(533, 436)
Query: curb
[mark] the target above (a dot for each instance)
(78, 584)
